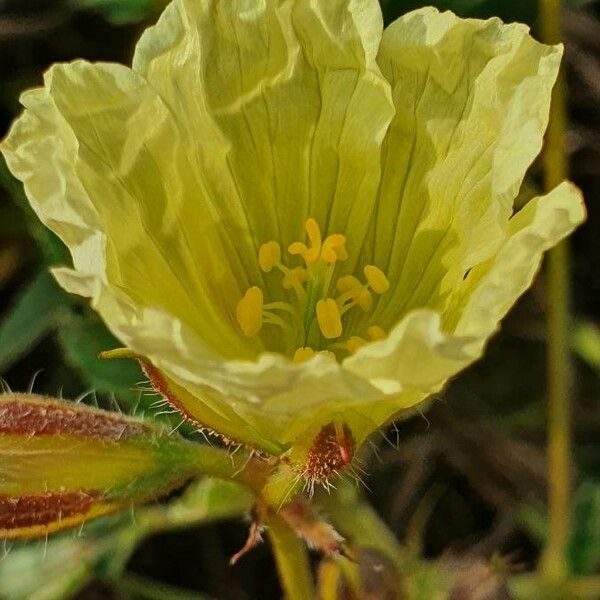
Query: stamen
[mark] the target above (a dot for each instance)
(285, 306)
(354, 343)
(312, 285)
(303, 354)
(342, 253)
(298, 248)
(314, 235)
(334, 248)
(329, 318)
(294, 277)
(311, 253)
(347, 283)
(377, 280)
(364, 299)
(249, 311)
(273, 319)
(376, 333)
(269, 256)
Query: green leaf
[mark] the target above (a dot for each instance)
(82, 339)
(584, 547)
(33, 316)
(52, 572)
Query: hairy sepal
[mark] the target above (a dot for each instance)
(63, 463)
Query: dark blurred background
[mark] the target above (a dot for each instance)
(467, 479)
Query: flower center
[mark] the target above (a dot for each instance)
(313, 314)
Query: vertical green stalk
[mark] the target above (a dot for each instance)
(291, 558)
(554, 561)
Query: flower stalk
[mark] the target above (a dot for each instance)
(291, 557)
(554, 561)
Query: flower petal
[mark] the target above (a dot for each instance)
(491, 288)
(291, 121)
(210, 410)
(416, 355)
(120, 193)
(427, 348)
(472, 100)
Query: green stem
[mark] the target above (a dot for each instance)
(292, 560)
(356, 520)
(274, 484)
(554, 561)
(243, 467)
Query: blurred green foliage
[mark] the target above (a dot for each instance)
(584, 551)
(58, 568)
(119, 12)
(34, 315)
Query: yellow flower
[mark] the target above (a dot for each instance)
(301, 223)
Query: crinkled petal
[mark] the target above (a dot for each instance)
(492, 287)
(472, 100)
(427, 348)
(281, 402)
(416, 355)
(286, 104)
(263, 403)
(169, 345)
(104, 167)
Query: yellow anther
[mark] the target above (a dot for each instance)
(342, 253)
(317, 294)
(377, 280)
(303, 354)
(347, 283)
(329, 255)
(269, 255)
(294, 277)
(354, 343)
(298, 248)
(311, 253)
(364, 299)
(334, 248)
(249, 311)
(314, 233)
(376, 333)
(306, 353)
(329, 318)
